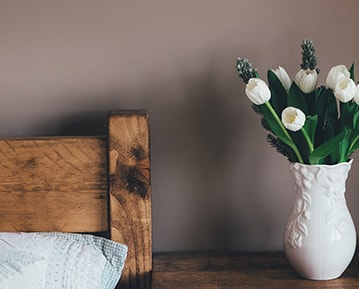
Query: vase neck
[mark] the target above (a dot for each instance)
(332, 178)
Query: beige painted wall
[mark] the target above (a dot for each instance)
(216, 183)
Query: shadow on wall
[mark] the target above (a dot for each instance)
(85, 123)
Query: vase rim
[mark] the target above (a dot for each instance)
(324, 165)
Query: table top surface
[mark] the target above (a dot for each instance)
(214, 270)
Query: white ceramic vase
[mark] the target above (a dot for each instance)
(320, 237)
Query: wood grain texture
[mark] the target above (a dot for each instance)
(130, 194)
(238, 270)
(54, 184)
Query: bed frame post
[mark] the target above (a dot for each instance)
(130, 194)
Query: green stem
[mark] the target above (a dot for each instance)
(291, 142)
(307, 139)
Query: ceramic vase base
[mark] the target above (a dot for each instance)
(315, 275)
(321, 277)
(324, 278)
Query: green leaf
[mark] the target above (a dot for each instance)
(354, 146)
(354, 139)
(346, 118)
(343, 148)
(320, 99)
(328, 116)
(331, 130)
(297, 98)
(301, 143)
(326, 103)
(356, 117)
(279, 95)
(310, 126)
(327, 148)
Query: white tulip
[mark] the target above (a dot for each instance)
(356, 96)
(283, 77)
(345, 89)
(306, 80)
(258, 91)
(336, 73)
(293, 118)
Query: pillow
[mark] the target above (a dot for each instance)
(61, 260)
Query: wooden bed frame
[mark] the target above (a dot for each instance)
(97, 185)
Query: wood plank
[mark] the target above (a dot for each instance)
(219, 261)
(238, 270)
(130, 194)
(53, 184)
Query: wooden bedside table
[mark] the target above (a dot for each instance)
(209, 270)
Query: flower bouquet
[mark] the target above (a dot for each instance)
(307, 123)
(317, 129)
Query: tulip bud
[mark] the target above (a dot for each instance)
(336, 73)
(283, 77)
(258, 91)
(293, 118)
(306, 80)
(356, 96)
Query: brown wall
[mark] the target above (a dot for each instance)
(216, 183)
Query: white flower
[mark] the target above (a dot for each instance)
(306, 80)
(345, 89)
(258, 91)
(293, 118)
(356, 96)
(283, 77)
(336, 73)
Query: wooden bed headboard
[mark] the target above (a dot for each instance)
(84, 185)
